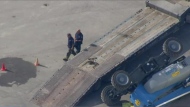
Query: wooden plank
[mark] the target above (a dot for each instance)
(120, 42)
(127, 24)
(153, 22)
(70, 85)
(54, 81)
(84, 55)
(148, 36)
(81, 88)
(109, 48)
(125, 32)
(108, 65)
(139, 32)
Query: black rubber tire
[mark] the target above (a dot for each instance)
(118, 86)
(105, 96)
(167, 47)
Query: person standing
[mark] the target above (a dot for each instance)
(70, 47)
(78, 40)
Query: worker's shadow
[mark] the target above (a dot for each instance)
(42, 66)
(9, 71)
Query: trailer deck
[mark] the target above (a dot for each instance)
(78, 75)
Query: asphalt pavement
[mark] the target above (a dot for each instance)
(37, 29)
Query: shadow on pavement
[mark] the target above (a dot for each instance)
(42, 66)
(18, 72)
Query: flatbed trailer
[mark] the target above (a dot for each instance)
(131, 37)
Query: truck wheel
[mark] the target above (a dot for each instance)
(109, 97)
(172, 47)
(120, 80)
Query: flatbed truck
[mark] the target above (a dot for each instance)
(103, 57)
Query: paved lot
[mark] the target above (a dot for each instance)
(37, 29)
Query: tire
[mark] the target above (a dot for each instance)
(120, 80)
(108, 96)
(172, 47)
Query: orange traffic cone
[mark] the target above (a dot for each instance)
(3, 67)
(36, 63)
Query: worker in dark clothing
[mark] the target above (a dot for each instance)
(78, 40)
(70, 47)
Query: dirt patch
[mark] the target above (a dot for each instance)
(18, 71)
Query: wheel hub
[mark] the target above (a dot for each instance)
(112, 95)
(174, 46)
(122, 79)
